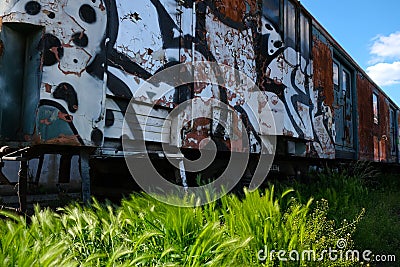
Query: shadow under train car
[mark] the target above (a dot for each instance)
(35, 175)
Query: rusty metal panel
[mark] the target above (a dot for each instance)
(384, 128)
(235, 9)
(376, 149)
(323, 88)
(365, 119)
(322, 59)
(374, 138)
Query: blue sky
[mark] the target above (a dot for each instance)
(370, 32)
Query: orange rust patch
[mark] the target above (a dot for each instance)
(365, 118)
(71, 140)
(384, 128)
(101, 6)
(65, 117)
(200, 131)
(67, 45)
(54, 50)
(235, 9)
(323, 70)
(47, 87)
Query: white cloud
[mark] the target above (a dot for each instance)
(384, 64)
(385, 74)
(386, 46)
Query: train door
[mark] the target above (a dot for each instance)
(393, 134)
(343, 109)
(20, 78)
(398, 135)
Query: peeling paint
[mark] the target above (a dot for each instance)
(64, 140)
(65, 117)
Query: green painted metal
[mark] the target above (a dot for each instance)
(20, 78)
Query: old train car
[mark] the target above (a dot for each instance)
(366, 119)
(71, 70)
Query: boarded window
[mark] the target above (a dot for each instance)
(290, 24)
(336, 75)
(346, 84)
(375, 107)
(271, 10)
(304, 36)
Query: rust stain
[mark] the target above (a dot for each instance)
(47, 87)
(235, 9)
(65, 117)
(46, 12)
(64, 140)
(323, 69)
(237, 137)
(45, 122)
(199, 132)
(101, 6)
(54, 50)
(165, 102)
(199, 87)
(231, 95)
(372, 137)
(288, 133)
(68, 45)
(262, 105)
(384, 127)
(27, 138)
(365, 119)
(275, 100)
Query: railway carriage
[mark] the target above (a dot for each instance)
(72, 71)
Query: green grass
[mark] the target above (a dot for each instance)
(356, 204)
(353, 189)
(379, 231)
(145, 232)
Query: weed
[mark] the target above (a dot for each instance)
(145, 232)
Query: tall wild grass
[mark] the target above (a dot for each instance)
(145, 232)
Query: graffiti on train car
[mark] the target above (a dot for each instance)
(222, 38)
(84, 40)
